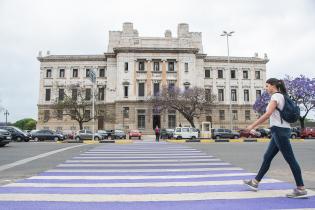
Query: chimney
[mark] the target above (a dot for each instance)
(168, 34)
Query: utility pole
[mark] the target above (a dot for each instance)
(6, 113)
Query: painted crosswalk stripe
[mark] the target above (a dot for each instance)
(142, 161)
(134, 165)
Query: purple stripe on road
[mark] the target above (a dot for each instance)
(142, 190)
(70, 173)
(241, 204)
(82, 181)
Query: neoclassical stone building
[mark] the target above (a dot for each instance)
(135, 68)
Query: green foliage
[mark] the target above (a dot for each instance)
(26, 124)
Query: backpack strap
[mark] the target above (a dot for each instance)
(278, 108)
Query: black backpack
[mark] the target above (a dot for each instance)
(290, 111)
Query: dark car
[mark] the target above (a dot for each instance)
(224, 133)
(103, 133)
(16, 133)
(118, 134)
(264, 132)
(42, 135)
(5, 137)
(167, 133)
(297, 130)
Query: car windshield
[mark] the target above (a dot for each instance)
(18, 129)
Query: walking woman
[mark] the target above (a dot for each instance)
(280, 132)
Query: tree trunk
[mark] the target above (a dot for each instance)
(191, 121)
(81, 125)
(302, 122)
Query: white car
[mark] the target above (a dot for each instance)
(185, 133)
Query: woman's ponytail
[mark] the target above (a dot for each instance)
(279, 85)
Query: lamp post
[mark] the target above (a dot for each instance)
(6, 113)
(227, 34)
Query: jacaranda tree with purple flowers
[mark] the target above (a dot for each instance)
(302, 91)
(261, 103)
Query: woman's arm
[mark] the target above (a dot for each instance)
(272, 106)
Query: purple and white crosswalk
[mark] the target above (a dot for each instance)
(146, 176)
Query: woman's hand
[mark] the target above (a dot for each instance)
(250, 127)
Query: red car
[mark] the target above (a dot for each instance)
(247, 134)
(308, 133)
(135, 133)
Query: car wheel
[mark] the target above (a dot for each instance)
(216, 137)
(36, 139)
(193, 137)
(96, 138)
(139, 137)
(77, 138)
(293, 136)
(18, 139)
(56, 139)
(26, 140)
(309, 136)
(236, 137)
(179, 137)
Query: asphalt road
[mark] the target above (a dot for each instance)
(244, 155)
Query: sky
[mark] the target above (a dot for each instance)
(284, 29)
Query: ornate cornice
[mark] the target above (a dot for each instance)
(71, 58)
(220, 59)
(155, 50)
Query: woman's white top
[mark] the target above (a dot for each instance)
(275, 119)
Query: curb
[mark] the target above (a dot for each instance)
(205, 141)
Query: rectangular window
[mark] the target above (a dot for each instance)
(246, 95)
(74, 94)
(87, 114)
(171, 86)
(87, 72)
(233, 74)
(102, 73)
(247, 114)
(171, 66)
(59, 114)
(208, 94)
(171, 121)
(126, 112)
(221, 94)
(257, 74)
(88, 94)
(222, 114)
(75, 73)
(156, 89)
(126, 66)
(141, 66)
(220, 74)
(48, 73)
(141, 89)
(73, 114)
(233, 95)
(186, 67)
(245, 74)
(209, 118)
(258, 93)
(207, 73)
(234, 115)
(47, 95)
(46, 115)
(61, 94)
(126, 91)
(61, 73)
(101, 94)
(141, 119)
(156, 66)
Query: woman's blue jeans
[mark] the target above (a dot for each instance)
(280, 141)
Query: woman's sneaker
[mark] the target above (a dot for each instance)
(251, 184)
(297, 193)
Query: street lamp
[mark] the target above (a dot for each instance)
(6, 113)
(227, 34)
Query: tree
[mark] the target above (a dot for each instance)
(261, 103)
(26, 124)
(190, 103)
(302, 91)
(78, 105)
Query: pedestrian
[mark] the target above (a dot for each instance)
(280, 134)
(157, 133)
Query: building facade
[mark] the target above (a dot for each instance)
(135, 68)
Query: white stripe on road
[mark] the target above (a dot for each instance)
(136, 157)
(145, 170)
(138, 184)
(134, 165)
(144, 155)
(155, 153)
(21, 162)
(144, 197)
(146, 161)
(142, 177)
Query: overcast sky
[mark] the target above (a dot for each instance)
(284, 29)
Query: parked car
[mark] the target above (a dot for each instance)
(166, 133)
(308, 133)
(297, 130)
(186, 133)
(247, 134)
(264, 132)
(103, 133)
(5, 137)
(134, 133)
(46, 134)
(110, 133)
(293, 134)
(118, 134)
(16, 133)
(224, 133)
(87, 135)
